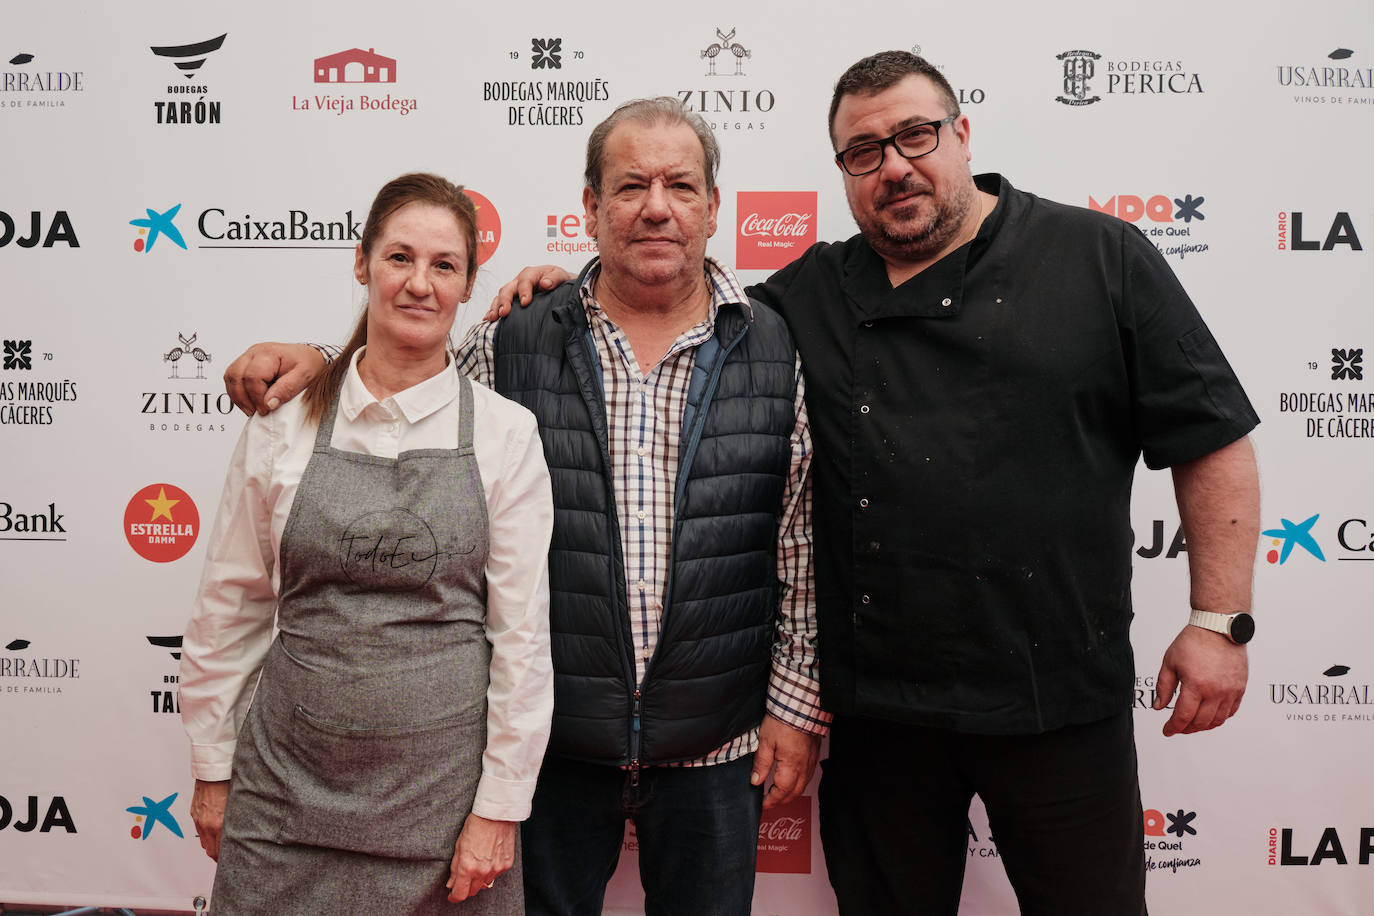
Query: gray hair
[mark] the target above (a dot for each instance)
(651, 112)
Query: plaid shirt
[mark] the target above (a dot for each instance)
(644, 413)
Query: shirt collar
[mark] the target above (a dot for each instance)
(724, 286)
(938, 290)
(414, 403)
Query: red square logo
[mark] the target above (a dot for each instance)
(785, 837)
(774, 227)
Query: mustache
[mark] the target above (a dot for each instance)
(894, 190)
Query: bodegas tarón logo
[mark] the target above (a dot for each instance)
(166, 696)
(192, 106)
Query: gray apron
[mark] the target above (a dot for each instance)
(361, 752)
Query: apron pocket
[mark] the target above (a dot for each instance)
(400, 792)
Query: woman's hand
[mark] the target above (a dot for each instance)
(484, 850)
(207, 810)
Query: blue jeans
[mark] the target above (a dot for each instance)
(698, 831)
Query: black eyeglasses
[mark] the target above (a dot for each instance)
(912, 142)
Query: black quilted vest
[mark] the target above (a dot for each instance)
(707, 680)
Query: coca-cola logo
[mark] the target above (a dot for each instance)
(785, 838)
(794, 224)
(774, 228)
(782, 828)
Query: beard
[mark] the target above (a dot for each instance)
(919, 229)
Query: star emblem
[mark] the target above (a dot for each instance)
(162, 506)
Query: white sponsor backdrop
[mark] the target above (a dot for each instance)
(1242, 135)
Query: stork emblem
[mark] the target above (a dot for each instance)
(187, 348)
(726, 43)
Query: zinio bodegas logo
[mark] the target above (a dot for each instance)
(727, 97)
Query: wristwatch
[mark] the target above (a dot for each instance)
(1238, 627)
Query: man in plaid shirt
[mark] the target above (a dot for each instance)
(672, 413)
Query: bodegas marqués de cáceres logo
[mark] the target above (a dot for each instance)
(545, 84)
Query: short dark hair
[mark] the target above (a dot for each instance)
(651, 112)
(882, 71)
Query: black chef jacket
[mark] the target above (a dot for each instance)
(976, 434)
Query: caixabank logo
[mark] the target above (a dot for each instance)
(188, 101)
(1086, 77)
(1328, 845)
(28, 82)
(773, 227)
(1174, 223)
(1336, 80)
(336, 75)
(161, 523)
(546, 82)
(1350, 540)
(150, 815)
(732, 92)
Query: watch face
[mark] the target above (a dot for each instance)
(1242, 628)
